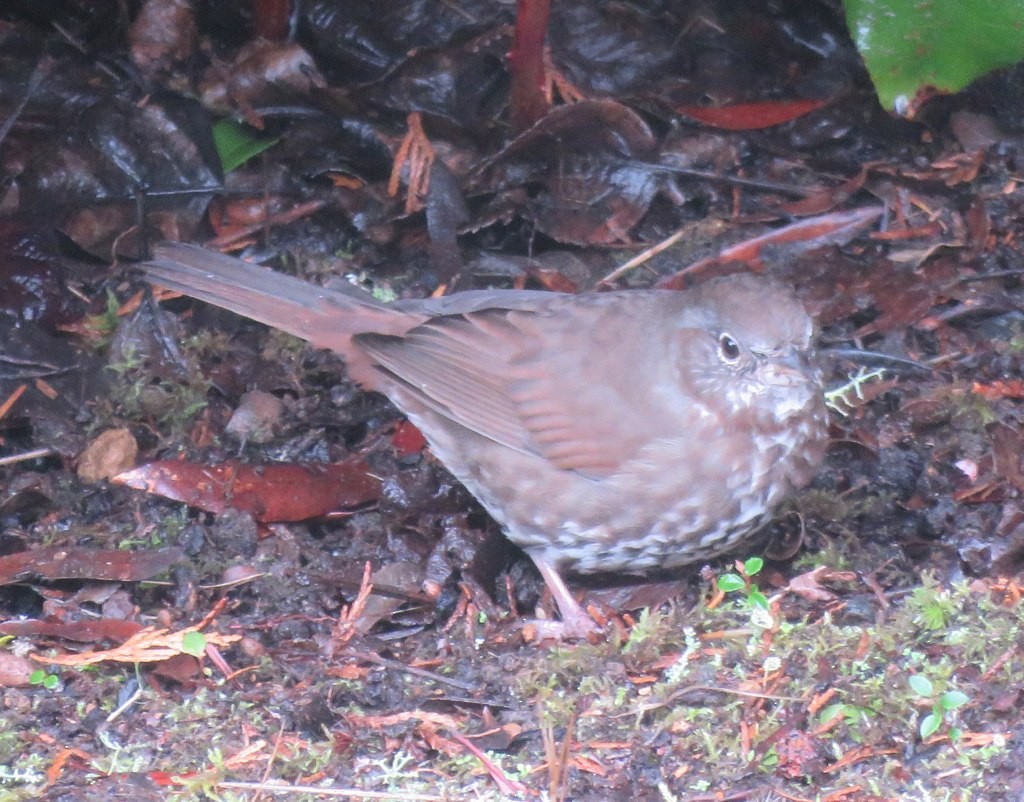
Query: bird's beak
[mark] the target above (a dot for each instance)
(789, 368)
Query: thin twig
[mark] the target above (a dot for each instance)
(343, 793)
(26, 455)
(413, 670)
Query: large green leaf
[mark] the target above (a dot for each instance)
(909, 45)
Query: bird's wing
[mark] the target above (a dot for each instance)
(554, 382)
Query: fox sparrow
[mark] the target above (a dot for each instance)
(616, 431)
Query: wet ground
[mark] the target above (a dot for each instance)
(196, 628)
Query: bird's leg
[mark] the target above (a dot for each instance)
(576, 622)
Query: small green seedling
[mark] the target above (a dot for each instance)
(40, 677)
(741, 582)
(942, 706)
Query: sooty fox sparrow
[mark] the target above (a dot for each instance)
(616, 431)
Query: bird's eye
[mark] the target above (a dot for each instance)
(728, 349)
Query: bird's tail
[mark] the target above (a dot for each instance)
(326, 318)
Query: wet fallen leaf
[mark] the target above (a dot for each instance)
(181, 668)
(590, 165)
(261, 74)
(402, 575)
(750, 116)
(106, 629)
(835, 228)
(808, 584)
(271, 493)
(84, 563)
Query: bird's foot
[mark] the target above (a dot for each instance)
(577, 627)
(576, 623)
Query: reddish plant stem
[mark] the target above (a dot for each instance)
(528, 102)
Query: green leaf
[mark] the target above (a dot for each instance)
(908, 45)
(830, 712)
(929, 724)
(770, 759)
(237, 143)
(758, 599)
(193, 643)
(727, 583)
(922, 686)
(951, 700)
(753, 565)
(37, 677)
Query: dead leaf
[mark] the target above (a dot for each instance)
(808, 585)
(150, 645)
(83, 563)
(270, 493)
(113, 452)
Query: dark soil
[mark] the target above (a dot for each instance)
(888, 664)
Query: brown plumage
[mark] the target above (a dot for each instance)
(605, 432)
